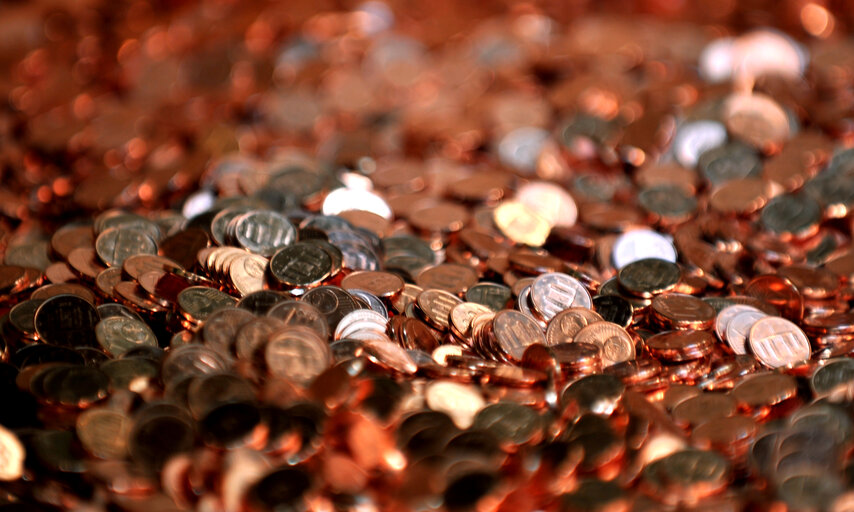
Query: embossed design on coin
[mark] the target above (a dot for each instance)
(616, 344)
(777, 342)
(200, 301)
(515, 331)
(300, 264)
(118, 334)
(66, 320)
(263, 232)
(117, 244)
(566, 324)
(554, 292)
(437, 306)
(648, 277)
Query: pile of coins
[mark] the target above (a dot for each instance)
(456, 257)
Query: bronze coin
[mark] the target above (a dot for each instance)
(679, 311)
(565, 325)
(451, 277)
(778, 292)
(436, 306)
(183, 246)
(515, 331)
(617, 345)
(381, 284)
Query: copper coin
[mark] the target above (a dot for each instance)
(777, 342)
(436, 306)
(297, 354)
(451, 277)
(617, 345)
(813, 283)
(381, 284)
(679, 346)
(764, 389)
(514, 331)
(70, 237)
(565, 325)
(738, 329)
(701, 408)
(183, 246)
(300, 314)
(198, 302)
(679, 311)
(85, 263)
(778, 292)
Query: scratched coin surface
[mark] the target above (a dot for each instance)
(554, 292)
(263, 232)
(564, 326)
(515, 331)
(118, 334)
(777, 342)
(616, 344)
(117, 244)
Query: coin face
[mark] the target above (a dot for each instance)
(198, 302)
(246, 273)
(521, 224)
(451, 277)
(726, 315)
(263, 232)
(554, 292)
(117, 244)
(649, 276)
(437, 306)
(492, 295)
(565, 325)
(777, 342)
(381, 284)
(104, 432)
(66, 320)
(834, 375)
(515, 331)
(118, 334)
(300, 264)
(617, 345)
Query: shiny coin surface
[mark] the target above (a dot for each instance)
(616, 344)
(777, 342)
(554, 292)
(118, 334)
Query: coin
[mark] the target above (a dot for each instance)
(459, 401)
(639, 244)
(564, 326)
(299, 265)
(451, 277)
(515, 331)
(114, 245)
(778, 342)
(554, 292)
(617, 346)
(381, 284)
(298, 354)
(300, 314)
(118, 334)
(437, 306)
(198, 302)
(649, 276)
(66, 320)
(104, 432)
(263, 232)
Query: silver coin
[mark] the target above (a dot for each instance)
(344, 199)
(116, 244)
(372, 300)
(739, 327)
(726, 315)
(640, 244)
(263, 232)
(358, 320)
(693, 138)
(553, 292)
(118, 334)
(520, 148)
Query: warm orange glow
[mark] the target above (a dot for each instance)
(817, 20)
